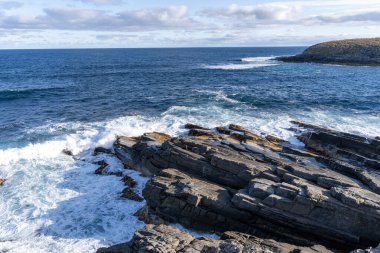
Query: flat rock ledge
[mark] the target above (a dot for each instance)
(262, 194)
(166, 239)
(345, 52)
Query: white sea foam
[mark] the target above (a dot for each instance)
(195, 233)
(53, 203)
(219, 96)
(248, 63)
(240, 66)
(258, 59)
(60, 205)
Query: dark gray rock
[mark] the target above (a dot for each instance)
(128, 181)
(193, 126)
(326, 193)
(103, 165)
(128, 193)
(67, 152)
(166, 239)
(99, 150)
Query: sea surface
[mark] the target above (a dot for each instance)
(52, 100)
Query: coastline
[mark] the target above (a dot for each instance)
(213, 179)
(300, 59)
(353, 52)
(54, 202)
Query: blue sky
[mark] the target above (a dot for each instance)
(175, 23)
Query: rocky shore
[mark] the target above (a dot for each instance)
(258, 192)
(346, 52)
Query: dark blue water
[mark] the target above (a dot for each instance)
(40, 86)
(52, 100)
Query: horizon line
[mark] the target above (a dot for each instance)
(81, 48)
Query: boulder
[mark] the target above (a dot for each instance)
(128, 181)
(99, 150)
(128, 193)
(204, 133)
(115, 173)
(223, 130)
(193, 126)
(236, 127)
(103, 165)
(147, 215)
(67, 152)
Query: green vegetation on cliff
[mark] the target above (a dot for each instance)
(349, 52)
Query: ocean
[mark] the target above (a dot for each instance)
(51, 100)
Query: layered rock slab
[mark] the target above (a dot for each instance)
(238, 180)
(166, 239)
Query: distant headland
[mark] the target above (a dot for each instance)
(364, 52)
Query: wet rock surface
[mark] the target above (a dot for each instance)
(100, 150)
(128, 181)
(274, 196)
(128, 193)
(193, 126)
(67, 152)
(102, 166)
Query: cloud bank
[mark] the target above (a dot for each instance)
(116, 21)
(93, 19)
(175, 17)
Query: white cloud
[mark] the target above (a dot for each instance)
(368, 16)
(89, 19)
(265, 12)
(166, 17)
(101, 1)
(123, 23)
(296, 13)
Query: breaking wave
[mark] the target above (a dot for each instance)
(54, 203)
(247, 63)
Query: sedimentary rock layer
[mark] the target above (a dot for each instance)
(165, 239)
(230, 179)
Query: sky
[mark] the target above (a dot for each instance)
(179, 23)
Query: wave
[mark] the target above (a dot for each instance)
(219, 96)
(44, 188)
(239, 66)
(54, 203)
(258, 59)
(248, 63)
(10, 94)
(79, 136)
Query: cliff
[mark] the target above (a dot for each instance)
(347, 52)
